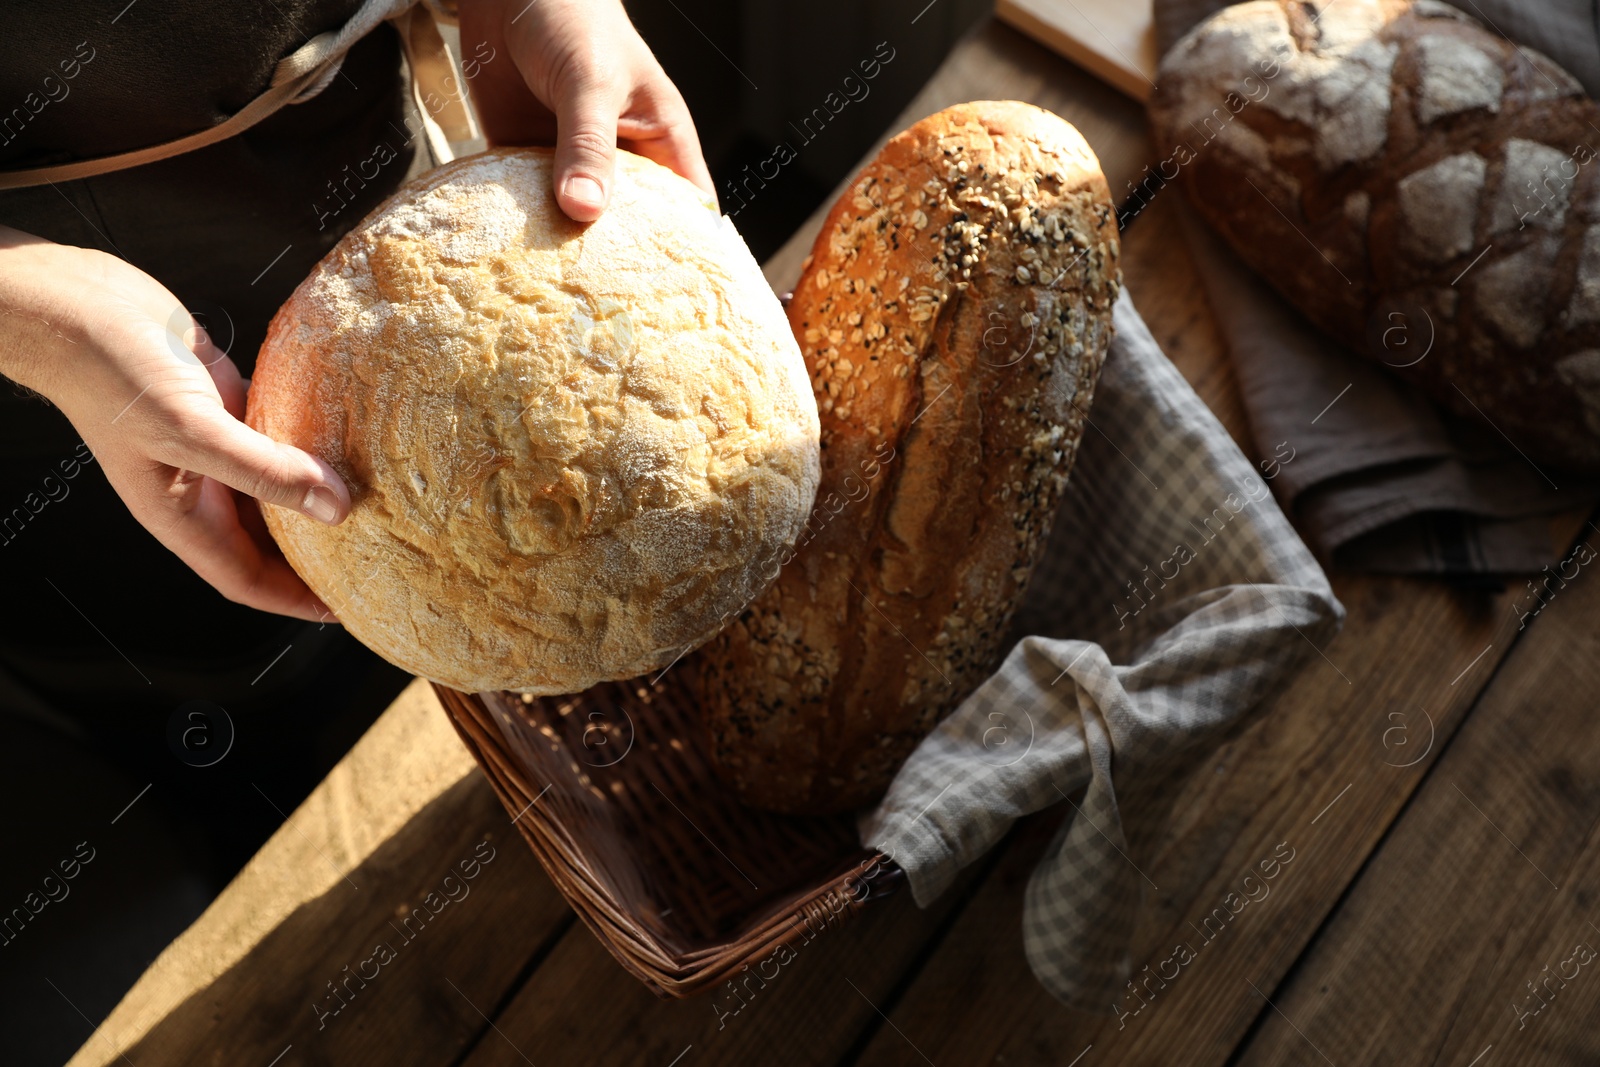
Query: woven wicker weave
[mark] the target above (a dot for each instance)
(683, 883)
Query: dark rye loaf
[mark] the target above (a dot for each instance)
(954, 315)
(1413, 183)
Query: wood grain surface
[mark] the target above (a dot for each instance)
(1113, 39)
(1461, 943)
(578, 1008)
(393, 819)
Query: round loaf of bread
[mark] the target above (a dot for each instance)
(572, 449)
(1418, 186)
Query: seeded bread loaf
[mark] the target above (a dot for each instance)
(1413, 183)
(954, 314)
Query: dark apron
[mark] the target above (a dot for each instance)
(103, 622)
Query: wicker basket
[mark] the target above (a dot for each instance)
(683, 883)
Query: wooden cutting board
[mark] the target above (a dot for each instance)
(1114, 40)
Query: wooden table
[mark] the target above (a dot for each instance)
(1434, 777)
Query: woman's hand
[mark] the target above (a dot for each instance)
(160, 407)
(578, 76)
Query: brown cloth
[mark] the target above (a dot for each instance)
(1376, 475)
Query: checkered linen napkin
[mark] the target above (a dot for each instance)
(1174, 596)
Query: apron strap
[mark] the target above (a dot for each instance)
(437, 85)
(303, 74)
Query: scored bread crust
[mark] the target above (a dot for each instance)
(570, 448)
(1419, 187)
(954, 315)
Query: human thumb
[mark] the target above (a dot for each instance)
(219, 446)
(586, 148)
